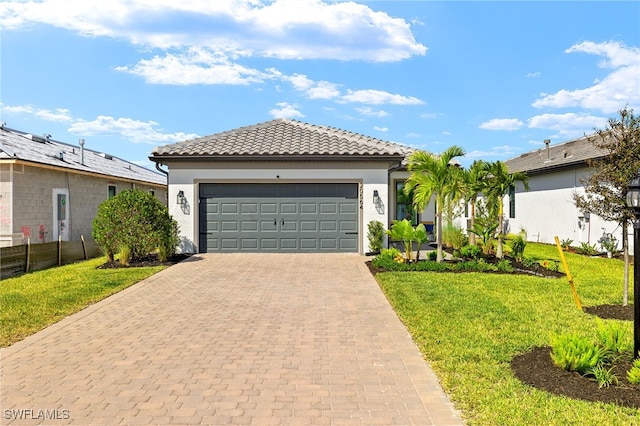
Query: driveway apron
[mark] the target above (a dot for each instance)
(264, 339)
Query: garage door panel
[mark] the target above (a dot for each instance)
(328, 225)
(328, 208)
(308, 226)
(248, 208)
(268, 244)
(229, 226)
(308, 208)
(248, 225)
(308, 217)
(229, 208)
(289, 208)
(268, 208)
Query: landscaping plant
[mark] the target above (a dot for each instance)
(134, 223)
(375, 235)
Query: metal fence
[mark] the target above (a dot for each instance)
(17, 260)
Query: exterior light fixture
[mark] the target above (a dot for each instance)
(376, 197)
(180, 198)
(633, 201)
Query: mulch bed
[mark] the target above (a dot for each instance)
(536, 368)
(618, 312)
(148, 260)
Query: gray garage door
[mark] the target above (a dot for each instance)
(297, 217)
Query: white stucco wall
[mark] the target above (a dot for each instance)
(547, 210)
(187, 176)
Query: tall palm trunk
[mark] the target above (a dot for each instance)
(500, 228)
(439, 256)
(472, 221)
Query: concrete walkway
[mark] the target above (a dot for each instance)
(261, 339)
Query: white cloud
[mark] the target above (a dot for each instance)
(56, 115)
(377, 97)
(431, 115)
(503, 151)
(195, 66)
(618, 89)
(508, 124)
(133, 130)
(533, 74)
(312, 89)
(370, 112)
(285, 29)
(286, 110)
(569, 124)
(381, 129)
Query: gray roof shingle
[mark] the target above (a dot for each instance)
(16, 145)
(283, 139)
(566, 154)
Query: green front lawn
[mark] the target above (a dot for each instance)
(33, 301)
(469, 326)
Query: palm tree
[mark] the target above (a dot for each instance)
(432, 175)
(499, 180)
(474, 179)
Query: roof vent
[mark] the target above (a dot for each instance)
(46, 137)
(547, 142)
(61, 155)
(107, 156)
(81, 142)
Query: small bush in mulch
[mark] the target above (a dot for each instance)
(536, 369)
(148, 260)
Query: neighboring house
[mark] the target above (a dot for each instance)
(282, 186)
(50, 189)
(547, 209)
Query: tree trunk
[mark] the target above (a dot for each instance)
(439, 232)
(472, 220)
(500, 226)
(625, 249)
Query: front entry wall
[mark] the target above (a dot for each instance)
(282, 217)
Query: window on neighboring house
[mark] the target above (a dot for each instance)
(112, 191)
(152, 192)
(404, 205)
(512, 202)
(466, 209)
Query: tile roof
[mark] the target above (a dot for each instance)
(16, 145)
(283, 139)
(566, 154)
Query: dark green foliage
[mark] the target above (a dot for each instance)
(433, 255)
(587, 249)
(470, 252)
(504, 266)
(517, 244)
(375, 236)
(136, 221)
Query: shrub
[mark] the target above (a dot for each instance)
(572, 352)
(612, 337)
(433, 255)
(587, 249)
(633, 375)
(604, 376)
(517, 244)
(452, 236)
(565, 244)
(470, 252)
(375, 235)
(505, 266)
(137, 221)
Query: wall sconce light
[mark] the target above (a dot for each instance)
(376, 197)
(587, 216)
(180, 198)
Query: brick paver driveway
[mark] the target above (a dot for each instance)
(262, 339)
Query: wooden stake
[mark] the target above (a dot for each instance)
(569, 277)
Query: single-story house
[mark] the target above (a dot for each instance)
(50, 189)
(548, 209)
(283, 186)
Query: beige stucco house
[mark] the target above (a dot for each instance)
(282, 186)
(50, 189)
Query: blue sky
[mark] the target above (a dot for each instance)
(496, 78)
